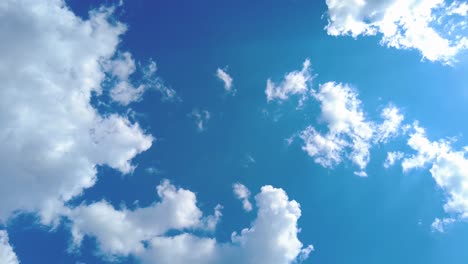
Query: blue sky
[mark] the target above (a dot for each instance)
(290, 131)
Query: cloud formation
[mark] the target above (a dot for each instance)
(52, 137)
(349, 132)
(293, 83)
(122, 232)
(272, 237)
(436, 28)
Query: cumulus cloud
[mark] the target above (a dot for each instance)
(52, 137)
(272, 237)
(242, 193)
(348, 130)
(294, 83)
(426, 150)
(122, 232)
(226, 79)
(434, 27)
(448, 168)
(7, 255)
(201, 117)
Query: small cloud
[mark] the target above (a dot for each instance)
(393, 157)
(305, 252)
(126, 91)
(360, 173)
(242, 193)
(294, 83)
(226, 79)
(154, 171)
(439, 225)
(200, 117)
(248, 160)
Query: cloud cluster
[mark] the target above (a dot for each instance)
(272, 237)
(52, 137)
(436, 28)
(349, 134)
(447, 166)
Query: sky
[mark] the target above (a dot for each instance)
(285, 131)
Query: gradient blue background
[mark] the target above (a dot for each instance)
(384, 218)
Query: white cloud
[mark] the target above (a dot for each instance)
(326, 150)
(272, 237)
(348, 129)
(439, 225)
(360, 173)
(294, 83)
(391, 125)
(7, 255)
(447, 166)
(433, 27)
(124, 91)
(350, 134)
(200, 117)
(52, 138)
(426, 151)
(458, 8)
(242, 193)
(393, 157)
(122, 232)
(226, 79)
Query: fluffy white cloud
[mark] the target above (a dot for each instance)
(426, 150)
(122, 232)
(226, 79)
(294, 83)
(325, 149)
(7, 255)
(350, 134)
(201, 117)
(242, 193)
(348, 129)
(391, 125)
(272, 237)
(52, 138)
(435, 28)
(447, 166)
